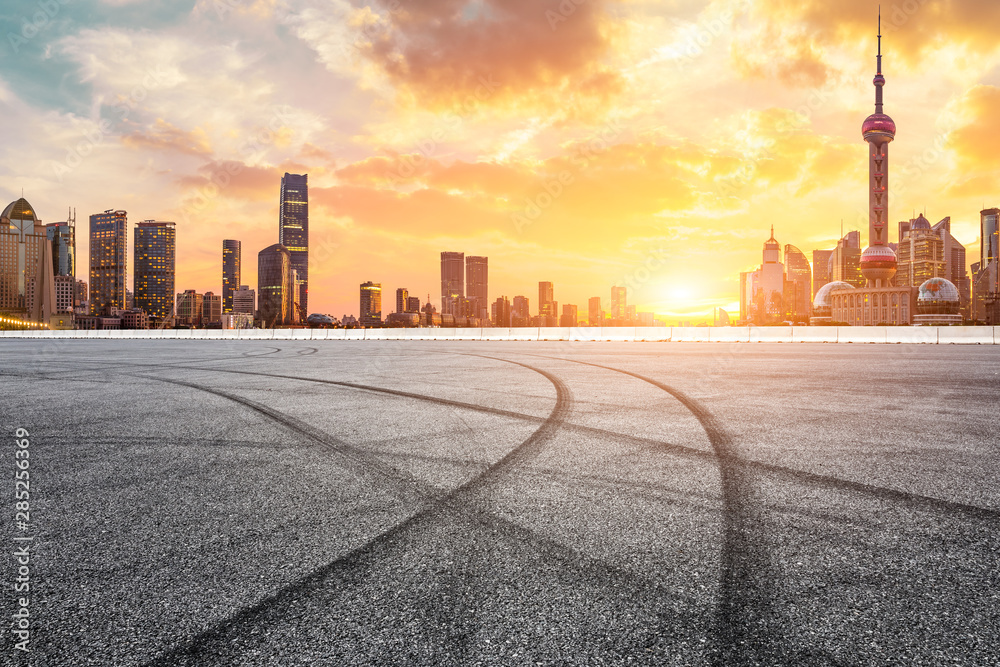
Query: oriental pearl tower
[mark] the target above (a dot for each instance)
(878, 261)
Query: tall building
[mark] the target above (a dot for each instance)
(211, 309)
(546, 303)
(844, 264)
(820, 269)
(765, 287)
(293, 232)
(244, 300)
(569, 316)
(274, 286)
(879, 302)
(231, 251)
(63, 237)
(477, 285)
(595, 316)
(413, 304)
(22, 242)
(189, 308)
(619, 301)
(371, 304)
(986, 272)
(927, 252)
(452, 282)
(108, 261)
(520, 315)
(154, 250)
(401, 296)
(500, 312)
(798, 295)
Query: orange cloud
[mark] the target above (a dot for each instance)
(977, 143)
(166, 137)
(454, 53)
(233, 180)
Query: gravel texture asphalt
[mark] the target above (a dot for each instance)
(350, 503)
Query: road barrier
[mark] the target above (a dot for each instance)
(749, 335)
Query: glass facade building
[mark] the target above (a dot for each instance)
(108, 260)
(452, 282)
(231, 250)
(155, 253)
(293, 232)
(63, 237)
(22, 242)
(274, 286)
(371, 304)
(477, 276)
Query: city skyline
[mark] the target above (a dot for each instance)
(408, 169)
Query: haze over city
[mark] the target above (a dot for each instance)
(605, 134)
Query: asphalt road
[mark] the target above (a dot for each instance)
(342, 503)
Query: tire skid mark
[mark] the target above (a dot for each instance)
(456, 506)
(274, 350)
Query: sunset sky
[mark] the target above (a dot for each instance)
(659, 140)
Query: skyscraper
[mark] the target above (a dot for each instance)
(520, 315)
(569, 316)
(986, 272)
(477, 284)
(413, 304)
(108, 260)
(798, 295)
(244, 300)
(820, 269)
(371, 304)
(22, 240)
(401, 296)
(274, 286)
(595, 316)
(452, 282)
(63, 237)
(619, 301)
(155, 247)
(500, 312)
(546, 296)
(231, 251)
(293, 231)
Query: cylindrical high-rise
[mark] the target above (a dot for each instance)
(231, 250)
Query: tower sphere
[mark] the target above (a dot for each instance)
(878, 262)
(879, 128)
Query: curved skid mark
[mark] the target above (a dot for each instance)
(454, 505)
(274, 350)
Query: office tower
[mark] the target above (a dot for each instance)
(546, 304)
(844, 264)
(63, 237)
(477, 285)
(413, 304)
(986, 272)
(231, 251)
(452, 282)
(799, 293)
(820, 269)
(371, 304)
(244, 300)
(401, 296)
(764, 289)
(108, 261)
(211, 309)
(188, 310)
(155, 248)
(619, 300)
(594, 315)
(630, 314)
(500, 312)
(293, 232)
(520, 315)
(569, 316)
(274, 286)
(22, 240)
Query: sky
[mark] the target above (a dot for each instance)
(589, 143)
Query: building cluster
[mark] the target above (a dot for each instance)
(920, 279)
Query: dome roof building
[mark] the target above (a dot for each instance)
(938, 302)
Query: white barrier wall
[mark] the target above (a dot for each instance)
(862, 335)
